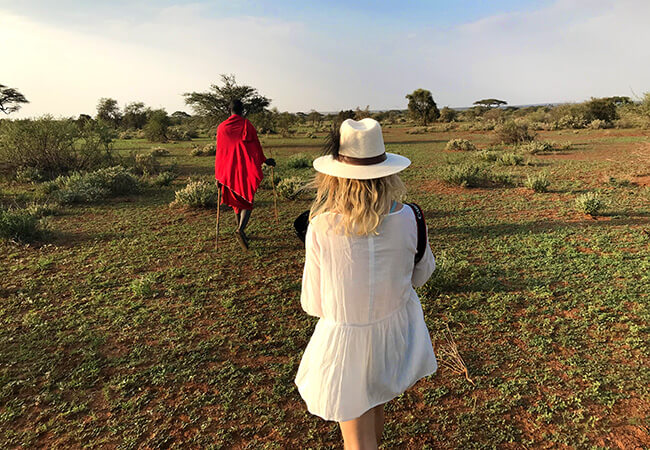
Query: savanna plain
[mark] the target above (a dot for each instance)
(123, 327)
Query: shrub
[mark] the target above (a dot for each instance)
(474, 175)
(590, 203)
(510, 159)
(197, 194)
(538, 182)
(290, 188)
(512, 132)
(488, 155)
(536, 147)
(159, 151)
(19, 225)
(196, 151)
(146, 164)
(42, 209)
(210, 150)
(571, 121)
(93, 186)
(164, 178)
(466, 175)
(143, 286)
(299, 161)
(54, 147)
(29, 175)
(181, 133)
(598, 124)
(460, 144)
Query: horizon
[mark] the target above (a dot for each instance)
(139, 51)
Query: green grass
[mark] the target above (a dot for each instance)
(125, 327)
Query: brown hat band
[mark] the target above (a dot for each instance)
(361, 161)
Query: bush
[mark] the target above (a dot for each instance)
(19, 225)
(197, 194)
(42, 209)
(571, 121)
(598, 124)
(488, 155)
(29, 175)
(210, 150)
(512, 132)
(474, 175)
(196, 151)
(146, 164)
(54, 147)
(589, 203)
(467, 175)
(538, 183)
(164, 178)
(460, 144)
(181, 133)
(536, 147)
(510, 159)
(143, 286)
(290, 188)
(159, 151)
(93, 186)
(300, 161)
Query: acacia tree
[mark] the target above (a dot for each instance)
(422, 107)
(10, 99)
(490, 102)
(108, 111)
(135, 115)
(215, 103)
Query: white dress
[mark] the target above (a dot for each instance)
(371, 342)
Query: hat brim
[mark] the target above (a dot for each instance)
(391, 165)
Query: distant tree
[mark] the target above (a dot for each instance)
(315, 117)
(135, 115)
(10, 99)
(284, 121)
(422, 107)
(447, 114)
(360, 114)
(345, 114)
(301, 117)
(601, 109)
(620, 100)
(156, 127)
(263, 121)
(645, 104)
(108, 111)
(214, 103)
(490, 102)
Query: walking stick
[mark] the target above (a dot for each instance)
(275, 195)
(216, 240)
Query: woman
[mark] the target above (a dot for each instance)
(371, 342)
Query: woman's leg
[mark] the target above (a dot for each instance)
(359, 433)
(379, 421)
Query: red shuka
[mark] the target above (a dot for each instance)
(238, 163)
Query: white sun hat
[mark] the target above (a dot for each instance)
(361, 154)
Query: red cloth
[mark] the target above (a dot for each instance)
(238, 162)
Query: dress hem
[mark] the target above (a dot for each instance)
(372, 405)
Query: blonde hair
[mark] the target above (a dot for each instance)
(362, 204)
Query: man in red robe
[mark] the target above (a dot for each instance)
(238, 166)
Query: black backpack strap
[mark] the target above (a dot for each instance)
(300, 225)
(422, 231)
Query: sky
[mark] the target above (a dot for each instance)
(326, 55)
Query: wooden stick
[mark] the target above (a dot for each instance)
(275, 195)
(216, 240)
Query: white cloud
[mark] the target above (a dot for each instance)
(570, 50)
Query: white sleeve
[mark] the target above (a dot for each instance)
(425, 267)
(310, 298)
